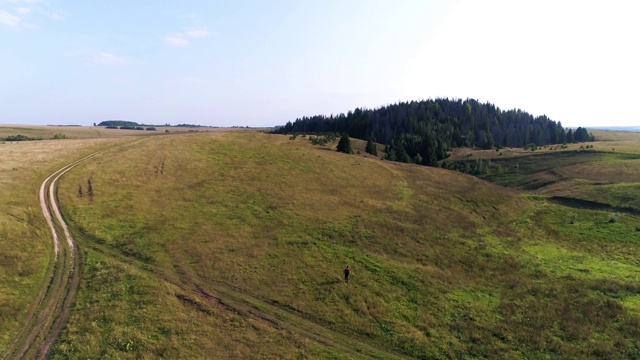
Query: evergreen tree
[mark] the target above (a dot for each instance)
(570, 136)
(344, 145)
(371, 146)
(430, 128)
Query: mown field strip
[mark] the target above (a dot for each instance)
(50, 310)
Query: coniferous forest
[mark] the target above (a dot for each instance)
(424, 131)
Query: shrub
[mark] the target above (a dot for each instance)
(19, 138)
(572, 218)
(613, 218)
(322, 140)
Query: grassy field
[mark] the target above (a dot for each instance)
(25, 250)
(232, 245)
(606, 171)
(445, 265)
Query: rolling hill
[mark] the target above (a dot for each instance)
(231, 245)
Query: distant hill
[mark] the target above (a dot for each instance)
(425, 131)
(617, 128)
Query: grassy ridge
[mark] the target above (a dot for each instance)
(444, 265)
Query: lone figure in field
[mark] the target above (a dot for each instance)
(347, 272)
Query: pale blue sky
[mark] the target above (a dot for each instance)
(263, 63)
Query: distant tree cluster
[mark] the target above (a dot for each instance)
(425, 131)
(118, 123)
(188, 125)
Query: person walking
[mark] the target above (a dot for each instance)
(347, 273)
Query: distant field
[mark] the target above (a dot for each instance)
(607, 171)
(92, 132)
(232, 245)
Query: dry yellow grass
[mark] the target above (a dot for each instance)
(25, 247)
(93, 132)
(277, 219)
(231, 245)
(602, 135)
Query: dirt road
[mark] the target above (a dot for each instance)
(50, 310)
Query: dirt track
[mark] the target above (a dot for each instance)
(50, 310)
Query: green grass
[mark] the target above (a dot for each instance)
(607, 172)
(26, 250)
(444, 265)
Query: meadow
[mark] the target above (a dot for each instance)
(26, 252)
(232, 245)
(604, 172)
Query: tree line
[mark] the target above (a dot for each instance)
(425, 131)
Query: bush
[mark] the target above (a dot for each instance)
(613, 218)
(572, 218)
(18, 138)
(322, 140)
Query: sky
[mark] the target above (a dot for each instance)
(263, 63)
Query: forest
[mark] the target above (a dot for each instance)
(424, 131)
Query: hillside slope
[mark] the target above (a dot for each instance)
(602, 174)
(231, 245)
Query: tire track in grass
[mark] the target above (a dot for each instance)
(50, 310)
(250, 305)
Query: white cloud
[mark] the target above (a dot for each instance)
(176, 41)
(183, 39)
(23, 10)
(108, 59)
(26, 1)
(198, 33)
(9, 20)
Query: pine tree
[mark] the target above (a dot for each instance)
(371, 147)
(344, 145)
